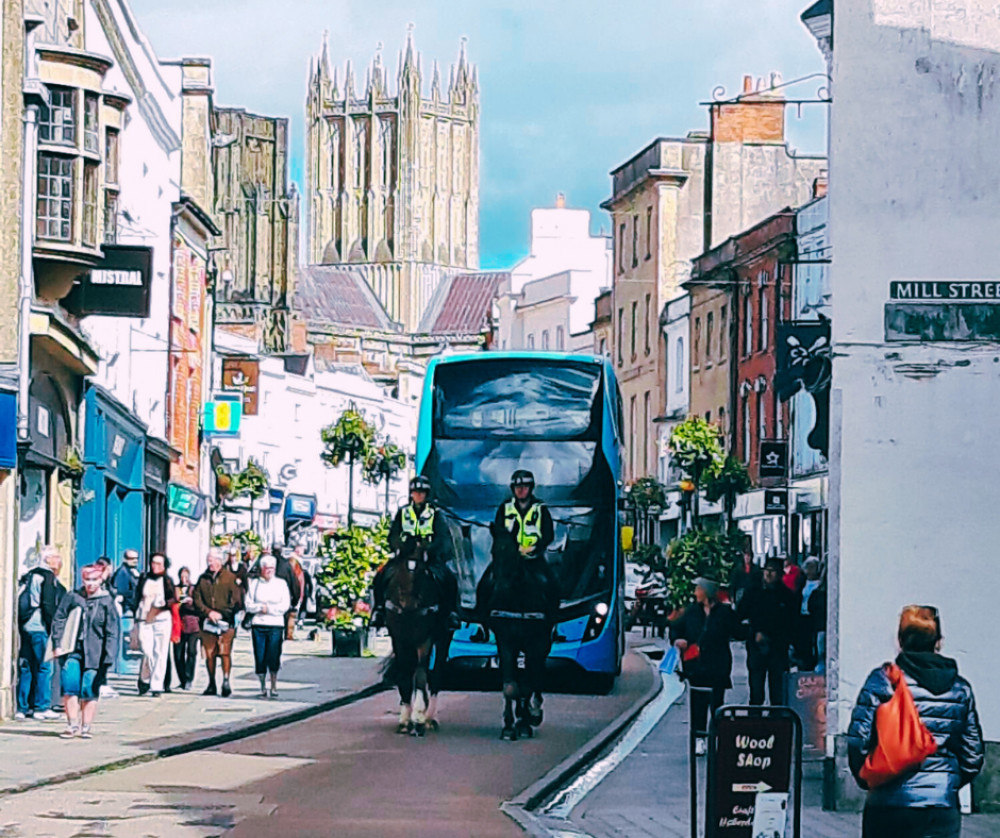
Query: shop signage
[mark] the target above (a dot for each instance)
(775, 502)
(242, 375)
(804, 362)
(979, 291)
(185, 502)
(300, 507)
(942, 319)
(222, 417)
(276, 497)
(774, 458)
(119, 286)
(806, 693)
(750, 772)
(8, 430)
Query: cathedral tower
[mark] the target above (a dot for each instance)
(393, 181)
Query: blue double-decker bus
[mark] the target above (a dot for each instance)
(558, 415)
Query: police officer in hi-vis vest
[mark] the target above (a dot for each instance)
(527, 521)
(420, 521)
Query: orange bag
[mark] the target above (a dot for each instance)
(903, 739)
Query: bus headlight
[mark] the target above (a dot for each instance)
(597, 621)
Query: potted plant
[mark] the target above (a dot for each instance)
(351, 557)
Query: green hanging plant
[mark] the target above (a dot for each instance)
(698, 553)
(351, 557)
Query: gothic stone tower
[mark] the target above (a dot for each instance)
(394, 180)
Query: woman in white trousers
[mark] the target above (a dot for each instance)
(154, 597)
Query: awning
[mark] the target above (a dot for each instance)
(8, 429)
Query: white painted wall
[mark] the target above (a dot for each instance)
(915, 194)
(292, 411)
(134, 352)
(556, 284)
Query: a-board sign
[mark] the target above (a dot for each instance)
(806, 695)
(751, 761)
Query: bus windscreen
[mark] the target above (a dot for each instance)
(522, 399)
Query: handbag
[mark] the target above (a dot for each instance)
(175, 622)
(134, 644)
(903, 739)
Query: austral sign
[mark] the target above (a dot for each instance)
(119, 286)
(949, 291)
(751, 759)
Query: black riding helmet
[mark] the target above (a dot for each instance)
(522, 477)
(420, 484)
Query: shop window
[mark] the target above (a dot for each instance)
(110, 216)
(55, 197)
(111, 159)
(90, 204)
(57, 120)
(91, 124)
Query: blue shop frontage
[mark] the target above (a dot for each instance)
(112, 516)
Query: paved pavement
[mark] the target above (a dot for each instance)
(129, 727)
(343, 773)
(648, 793)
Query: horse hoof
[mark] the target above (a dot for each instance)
(419, 730)
(508, 733)
(402, 727)
(535, 717)
(524, 729)
(433, 725)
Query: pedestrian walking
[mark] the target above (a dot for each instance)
(702, 635)
(85, 635)
(812, 616)
(921, 803)
(155, 594)
(268, 602)
(217, 598)
(186, 649)
(745, 573)
(302, 583)
(38, 598)
(126, 580)
(771, 610)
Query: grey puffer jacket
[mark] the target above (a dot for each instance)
(947, 707)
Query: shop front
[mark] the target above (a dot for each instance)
(112, 517)
(156, 475)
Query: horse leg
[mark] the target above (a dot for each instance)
(404, 684)
(508, 671)
(420, 694)
(534, 669)
(436, 677)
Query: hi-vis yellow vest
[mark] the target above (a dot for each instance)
(529, 527)
(421, 526)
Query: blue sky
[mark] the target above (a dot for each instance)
(569, 88)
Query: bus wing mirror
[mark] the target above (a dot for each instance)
(628, 535)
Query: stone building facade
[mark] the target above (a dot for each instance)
(672, 201)
(257, 209)
(393, 180)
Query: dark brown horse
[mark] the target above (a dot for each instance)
(519, 607)
(420, 638)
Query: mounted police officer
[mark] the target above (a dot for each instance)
(420, 524)
(526, 520)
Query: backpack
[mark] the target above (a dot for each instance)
(25, 607)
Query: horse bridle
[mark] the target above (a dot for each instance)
(420, 612)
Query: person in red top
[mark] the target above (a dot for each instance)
(793, 577)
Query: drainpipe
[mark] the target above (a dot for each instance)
(26, 277)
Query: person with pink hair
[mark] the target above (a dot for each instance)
(85, 635)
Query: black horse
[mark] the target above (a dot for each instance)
(420, 638)
(518, 605)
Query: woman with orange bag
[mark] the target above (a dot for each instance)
(701, 635)
(921, 802)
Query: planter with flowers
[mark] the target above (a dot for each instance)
(351, 557)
